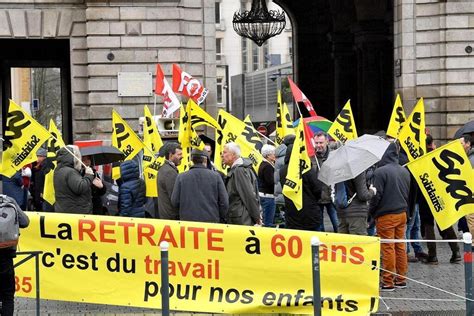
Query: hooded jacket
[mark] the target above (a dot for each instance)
(244, 202)
(392, 182)
(72, 191)
(280, 153)
(309, 217)
(13, 187)
(132, 191)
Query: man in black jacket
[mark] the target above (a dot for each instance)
(7, 272)
(166, 178)
(309, 217)
(199, 193)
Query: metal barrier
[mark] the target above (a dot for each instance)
(31, 254)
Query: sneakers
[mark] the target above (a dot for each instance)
(431, 260)
(400, 285)
(387, 288)
(455, 258)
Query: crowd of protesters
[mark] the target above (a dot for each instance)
(384, 200)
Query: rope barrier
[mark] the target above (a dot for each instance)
(415, 281)
(420, 299)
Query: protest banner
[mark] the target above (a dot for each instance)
(412, 135)
(284, 123)
(343, 128)
(397, 119)
(298, 165)
(185, 84)
(22, 138)
(152, 141)
(213, 268)
(163, 88)
(446, 179)
(54, 144)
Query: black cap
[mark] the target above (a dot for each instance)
(198, 152)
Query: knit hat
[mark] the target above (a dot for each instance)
(41, 152)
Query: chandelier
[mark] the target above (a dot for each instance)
(259, 24)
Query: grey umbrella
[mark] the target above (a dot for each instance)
(354, 157)
(102, 155)
(468, 128)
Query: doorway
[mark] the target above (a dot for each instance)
(36, 75)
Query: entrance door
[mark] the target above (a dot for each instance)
(36, 75)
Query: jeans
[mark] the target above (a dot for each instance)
(268, 207)
(331, 210)
(394, 255)
(413, 231)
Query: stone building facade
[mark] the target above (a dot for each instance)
(434, 41)
(108, 36)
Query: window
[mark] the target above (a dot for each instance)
(219, 88)
(218, 12)
(290, 46)
(245, 65)
(218, 49)
(255, 58)
(266, 56)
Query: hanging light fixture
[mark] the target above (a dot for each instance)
(259, 24)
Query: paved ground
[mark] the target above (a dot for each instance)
(417, 299)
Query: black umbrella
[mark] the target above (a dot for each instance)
(102, 155)
(466, 129)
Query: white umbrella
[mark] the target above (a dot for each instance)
(353, 158)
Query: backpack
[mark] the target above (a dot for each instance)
(342, 197)
(9, 222)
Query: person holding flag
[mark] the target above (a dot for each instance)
(301, 187)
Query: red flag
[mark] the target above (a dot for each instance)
(163, 88)
(308, 134)
(301, 98)
(185, 84)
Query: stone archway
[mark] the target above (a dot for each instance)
(343, 49)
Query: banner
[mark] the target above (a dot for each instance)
(187, 137)
(185, 84)
(125, 140)
(446, 178)
(412, 135)
(153, 143)
(397, 119)
(200, 117)
(213, 268)
(231, 129)
(299, 164)
(343, 128)
(163, 88)
(284, 123)
(22, 138)
(301, 99)
(54, 144)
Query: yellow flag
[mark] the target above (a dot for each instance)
(397, 119)
(412, 135)
(344, 127)
(446, 178)
(284, 124)
(153, 143)
(188, 137)
(299, 164)
(200, 117)
(22, 138)
(125, 140)
(54, 144)
(231, 129)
